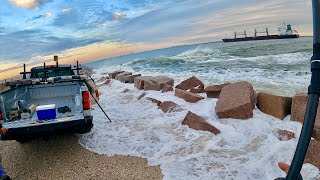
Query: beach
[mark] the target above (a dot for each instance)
(143, 142)
(61, 157)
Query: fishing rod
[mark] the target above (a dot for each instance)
(313, 100)
(101, 108)
(91, 93)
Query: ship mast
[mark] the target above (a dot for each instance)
(256, 32)
(244, 33)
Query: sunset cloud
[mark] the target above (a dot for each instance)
(29, 4)
(92, 29)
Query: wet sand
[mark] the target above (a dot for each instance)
(61, 157)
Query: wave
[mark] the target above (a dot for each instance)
(158, 61)
(202, 53)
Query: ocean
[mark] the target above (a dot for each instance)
(245, 149)
(276, 66)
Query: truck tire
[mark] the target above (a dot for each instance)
(85, 129)
(22, 140)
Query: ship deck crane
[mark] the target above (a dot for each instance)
(262, 32)
(244, 33)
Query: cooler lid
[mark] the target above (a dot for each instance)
(45, 107)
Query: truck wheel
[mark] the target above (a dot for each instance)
(22, 140)
(85, 129)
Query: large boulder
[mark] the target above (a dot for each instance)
(139, 81)
(298, 110)
(193, 84)
(157, 83)
(188, 96)
(167, 88)
(197, 90)
(198, 123)
(169, 106)
(312, 156)
(121, 76)
(113, 74)
(277, 106)
(236, 101)
(214, 91)
(130, 78)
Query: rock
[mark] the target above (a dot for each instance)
(4, 87)
(214, 91)
(187, 96)
(236, 101)
(198, 123)
(157, 83)
(103, 78)
(121, 76)
(107, 82)
(142, 95)
(312, 156)
(94, 87)
(154, 101)
(130, 78)
(113, 74)
(96, 91)
(169, 106)
(125, 90)
(284, 135)
(316, 133)
(298, 110)
(139, 81)
(277, 106)
(86, 71)
(167, 88)
(190, 83)
(196, 90)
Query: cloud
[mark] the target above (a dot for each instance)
(85, 17)
(47, 14)
(28, 43)
(29, 4)
(191, 20)
(40, 16)
(118, 16)
(66, 10)
(37, 17)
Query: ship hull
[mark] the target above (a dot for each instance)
(261, 38)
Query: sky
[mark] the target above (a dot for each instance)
(32, 31)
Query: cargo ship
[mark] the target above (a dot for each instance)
(284, 33)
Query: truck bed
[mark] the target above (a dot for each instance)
(60, 94)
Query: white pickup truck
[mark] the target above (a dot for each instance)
(57, 87)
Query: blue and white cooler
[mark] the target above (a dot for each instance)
(46, 112)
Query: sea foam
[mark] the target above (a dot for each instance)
(245, 149)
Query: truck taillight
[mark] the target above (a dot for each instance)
(86, 100)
